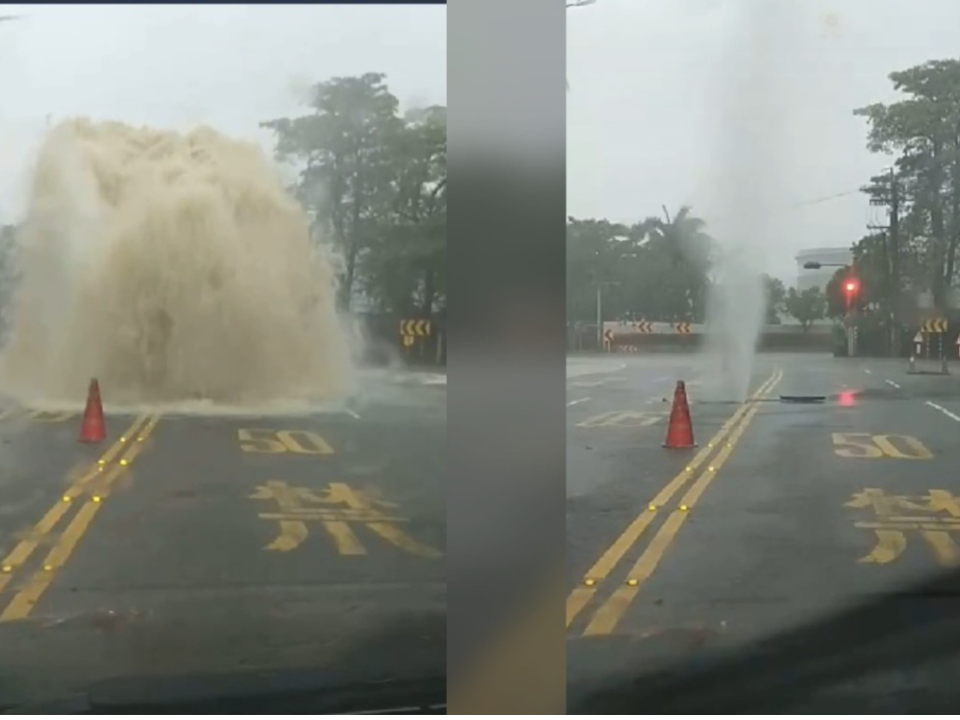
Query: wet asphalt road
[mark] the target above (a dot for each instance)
(794, 511)
(214, 544)
(229, 543)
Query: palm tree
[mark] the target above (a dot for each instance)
(684, 236)
(684, 240)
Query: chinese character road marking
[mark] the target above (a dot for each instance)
(897, 514)
(337, 508)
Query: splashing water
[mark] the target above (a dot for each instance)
(172, 267)
(755, 165)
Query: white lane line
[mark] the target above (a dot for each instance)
(434, 379)
(868, 371)
(577, 402)
(594, 383)
(891, 382)
(952, 416)
(579, 370)
(353, 413)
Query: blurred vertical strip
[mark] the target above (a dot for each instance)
(506, 356)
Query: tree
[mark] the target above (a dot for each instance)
(684, 236)
(923, 132)
(807, 306)
(341, 147)
(408, 251)
(836, 298)
(775, 295)
(596, 250)
(682, 253)
(655, 269)
(376, 183)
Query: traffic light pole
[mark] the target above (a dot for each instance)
(851, 288)
(851, 322)
(851, 334)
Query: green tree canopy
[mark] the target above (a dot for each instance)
(921, 134)
(655, 269)
(806, 306)
(376, 184)
(775, 296)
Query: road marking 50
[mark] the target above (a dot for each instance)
(274, 442)
(865, 445)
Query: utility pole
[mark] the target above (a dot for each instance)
(600, 286)
(895, 283)
(885, 192)
(600, 316)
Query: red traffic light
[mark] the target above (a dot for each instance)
(851, 286)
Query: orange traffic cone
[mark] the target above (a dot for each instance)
(93, 428)
(680, 428)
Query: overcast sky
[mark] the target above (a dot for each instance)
(173, 66)
(645, 115)
(647, 123)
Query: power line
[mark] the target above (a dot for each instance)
(827, 198)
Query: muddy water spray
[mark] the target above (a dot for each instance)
(173, 267)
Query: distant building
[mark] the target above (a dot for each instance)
(831, 258)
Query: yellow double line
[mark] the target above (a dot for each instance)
(94, 485)
(606, 617)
